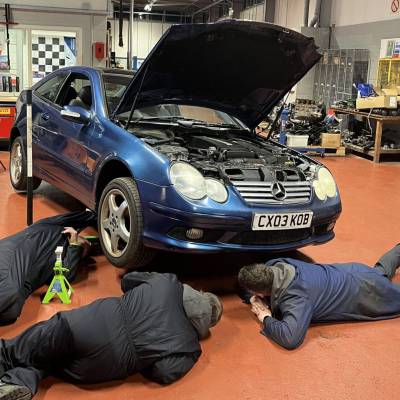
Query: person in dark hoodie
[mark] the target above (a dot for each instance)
(27, 258)
(154, 329)
(301, 293)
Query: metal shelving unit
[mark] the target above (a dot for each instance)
(336, 72)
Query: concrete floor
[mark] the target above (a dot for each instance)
(336, 361)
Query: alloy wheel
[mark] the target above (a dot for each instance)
(115, 223)
(16, 163)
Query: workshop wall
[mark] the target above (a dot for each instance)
(366, 36)
(90, 25)
(254, 13)
(146, 34)
(290, 13)
(345, 12)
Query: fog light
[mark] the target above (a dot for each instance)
(194, 234)
(330, 227)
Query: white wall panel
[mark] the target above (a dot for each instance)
(97, 5)
(290, 13)
(255, 13)
(145, 35)
(346, 12)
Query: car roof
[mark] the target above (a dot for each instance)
(116, 71)
(111, 71)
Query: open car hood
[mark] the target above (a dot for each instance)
(243, 68)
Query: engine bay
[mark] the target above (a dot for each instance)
(228, 154)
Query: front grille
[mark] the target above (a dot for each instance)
(270, 237)
(261, 192)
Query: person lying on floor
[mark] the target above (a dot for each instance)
(301, 293)
(27, 258)
(154, 329)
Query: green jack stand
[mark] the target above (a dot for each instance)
(59, 285)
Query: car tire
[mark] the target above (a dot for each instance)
(17, 168)
(120, 225)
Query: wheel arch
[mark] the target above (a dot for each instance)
(112, 169)
(13, 135)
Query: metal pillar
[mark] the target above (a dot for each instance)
(306, 12)
(130, 36)
(269, 11)
(237, 6)
(29, 187)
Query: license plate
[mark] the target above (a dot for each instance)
(5, 111)
(278, 222)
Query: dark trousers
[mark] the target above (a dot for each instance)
(45, 345)
(389, 262)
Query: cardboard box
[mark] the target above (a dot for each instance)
(390, 91)
(384, 101)
(387, 98)
(395, 89)
(331, 140)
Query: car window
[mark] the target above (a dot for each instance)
(72, 90)
(114, 86)
(50, 88)
(79, 83)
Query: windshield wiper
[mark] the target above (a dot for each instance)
(195, 122)
(186, 122)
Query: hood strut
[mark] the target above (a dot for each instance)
(136, 97)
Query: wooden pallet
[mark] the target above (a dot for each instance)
(323, 151)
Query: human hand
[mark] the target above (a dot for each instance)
(73, 235)
(259, 308)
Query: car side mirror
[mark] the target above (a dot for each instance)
(76, 114)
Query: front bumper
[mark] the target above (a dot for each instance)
(227, 227)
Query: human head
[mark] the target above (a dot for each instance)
(203, 309)
(257, 278)
(216, 308)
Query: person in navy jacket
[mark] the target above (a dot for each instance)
(301, 293)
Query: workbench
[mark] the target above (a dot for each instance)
(380, 122)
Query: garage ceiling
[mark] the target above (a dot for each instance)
(187, 7)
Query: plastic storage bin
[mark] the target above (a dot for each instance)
(297, 140)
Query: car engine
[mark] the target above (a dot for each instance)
(230, 155)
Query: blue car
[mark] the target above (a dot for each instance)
(169, 158)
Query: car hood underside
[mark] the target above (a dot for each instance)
(243, 68)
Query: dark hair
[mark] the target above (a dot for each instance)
(256, 277)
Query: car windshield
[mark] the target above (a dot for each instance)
(115, 85)
(176, 113)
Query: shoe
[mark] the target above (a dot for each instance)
(14, 392)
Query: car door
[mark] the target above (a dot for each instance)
(65, 141)
(44, 97)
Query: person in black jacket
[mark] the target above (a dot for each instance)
(154, 329)
(27, 258)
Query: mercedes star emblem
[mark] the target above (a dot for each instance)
(278, 191)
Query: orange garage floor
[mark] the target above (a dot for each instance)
(337, 361)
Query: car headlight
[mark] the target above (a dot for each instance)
(216, 190)
(324, 185)
(188, 181)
